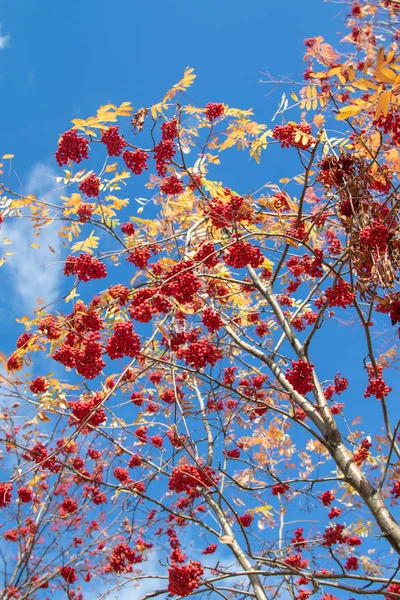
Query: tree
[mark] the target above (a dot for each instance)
(179, 425)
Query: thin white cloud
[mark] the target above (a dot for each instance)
(4, 40)
(34, 273)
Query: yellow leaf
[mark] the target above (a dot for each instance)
(35, 246)
(348, 111)
(111, 167)
(284, 180)
(294, 97)
(8, 156)
(319, 75)
(385, 75)
(383, 104)
(71, 295)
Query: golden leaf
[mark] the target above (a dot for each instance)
(383, 104)
(348, 111)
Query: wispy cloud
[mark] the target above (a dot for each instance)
(34, 273)
(4, 40)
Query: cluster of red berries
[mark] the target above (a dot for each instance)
(296, 561)
(394, 588)
(207, 255)
(334, 245)
(340, 384)
(210, 549)
(169, 129)
(279, 488)
(306, 265)
(113, 141)
(69, 574)
(182, 283)
(362, 453)
(241, 254)
(40, 455)
(246, 519)
(164, 152)
(300, 376)
(90, 186)
(84, 319)
(200, 354)
(340, 294)
(5, 494)
(68, 506)
(225, 214)
(136, 161)
(375, 236)
(49, 328)
(123, 341)
(212, 320)
(390, 124)
(214, 110)
(177, 440)
(395, 491)
(25, 493)
(88, 411)
(38, 386)
(85, 267)
(334, 535)
(120, 293)
(184, 579)
(85, 357)
(85, 211)
(186, 478)
(71, 147)
(122, 556)
(327, 498)
(297, 135)
(376, 386)
(139, 257)
(171, 185)
(351, 564)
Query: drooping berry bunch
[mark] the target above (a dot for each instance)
(123, 341)
(85, 267)
(242, 253)
(113, 141)
(293, 134)
(136, 161)
(90, 186)
(184, 579)
(214, 110)
(88, 410)
(300, 376)
(226, 214)
(71, 147)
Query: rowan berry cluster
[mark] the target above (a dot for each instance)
(85, 267)
(351, 564)
(300, 376)
(279, 488)
(85, 357)
(88, 411)
(214, 110)
(362, 453)
(123, 341)
(296, 561)
(200, 354)
(25, 494)
(113, 141)
(186, 478)
(49, 328)
(120, 293)
(246, 519)
(340, 294)
(340, 384)
(177, 440)
(40, 456)
(5, 494)
(184, 579)
(90, 186)
(375, 236)
(390, 124)
(136, 161)
(394, 588)
(327, 498)
(234, 453)
(84, 212)
(376, 386)
(71, 147)
(207, 255)
(297, 135)
(226, 214)
(68, 506)
(306, 265)
(164, 152)
(212, 320)
(210, 549)
(169, 129)
(171, 185)
(141, 434)
(69, 574)
(139, 257)
(182, 284)
(241, 254)
(38, 386)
